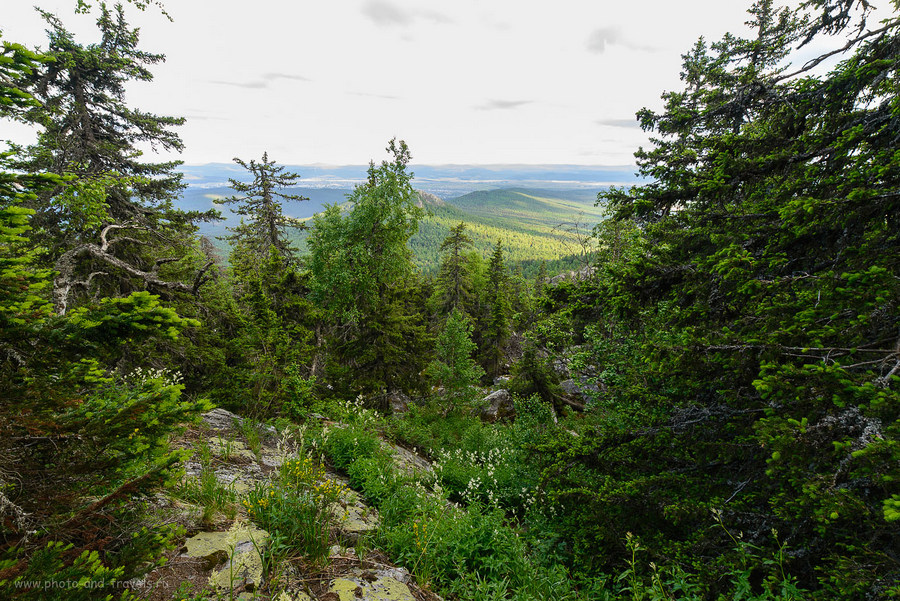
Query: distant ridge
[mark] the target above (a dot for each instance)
(443, 180)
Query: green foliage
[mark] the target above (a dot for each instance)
(493, 323)
(80, 440)
(533, 376)
(450, 547)
(297, 509)
(76, 436)
(345, 445)
(356, 258)
(454, 369)
(742, 328)
(271, 338)
(363, 280)
(531, 224)
(206, 490)
(454, 281)
(299, 518)
(21, 302)
(90, 132)
(51, 576)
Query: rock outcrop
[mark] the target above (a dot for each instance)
(498, 405)
(225, 556)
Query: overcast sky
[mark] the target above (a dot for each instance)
(468, 81)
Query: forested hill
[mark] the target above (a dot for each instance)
(535, 225)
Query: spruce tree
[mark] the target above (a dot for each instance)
(81, 435)
(109, 226)
(454, 281)
(260, 201)
(756, 297)
(495, 319)
(90, 131)
(454, 369)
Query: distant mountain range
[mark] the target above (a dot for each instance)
(540, 212)
(444, 181)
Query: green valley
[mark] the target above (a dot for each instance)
(535, 225)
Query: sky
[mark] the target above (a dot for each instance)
(463, 82)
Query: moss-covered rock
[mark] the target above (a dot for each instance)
(371, 588)
(237, 551)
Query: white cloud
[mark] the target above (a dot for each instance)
(505, 105)
(599, 39)
(388, 14)
(331, 82)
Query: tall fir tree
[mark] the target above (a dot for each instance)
(260, 201)
(454, 369)
(80, 436)
(495, 327)
(755, 292)
(454, 281)
(110, 225)
(90, 131)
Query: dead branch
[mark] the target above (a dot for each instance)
(202, 278)
(66, 264)
(105, 243)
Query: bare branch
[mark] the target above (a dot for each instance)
(105, 244)
(201, 277)
(819, 59)
(885, 380)
(66, 264)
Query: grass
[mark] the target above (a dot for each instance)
(206, 490)
(250, 431)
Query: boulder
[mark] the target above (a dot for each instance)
(407, 461)
(576, 275)
(354, 519)
(220, 419)
(498, 405)
(398, 402)
(238, 549)
(580, 389)
(230, 450)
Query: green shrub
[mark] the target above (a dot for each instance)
(301, 519)
(345, 445)
(52, 575)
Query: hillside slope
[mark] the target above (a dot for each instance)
(535, 225)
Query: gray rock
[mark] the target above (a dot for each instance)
(229, 450)
(581, 389)
(354, 520)
(238, 548)
(370, 587)
(220, 419)
(577, 275)
(498, 405)
(406, 460)
(398, 402)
